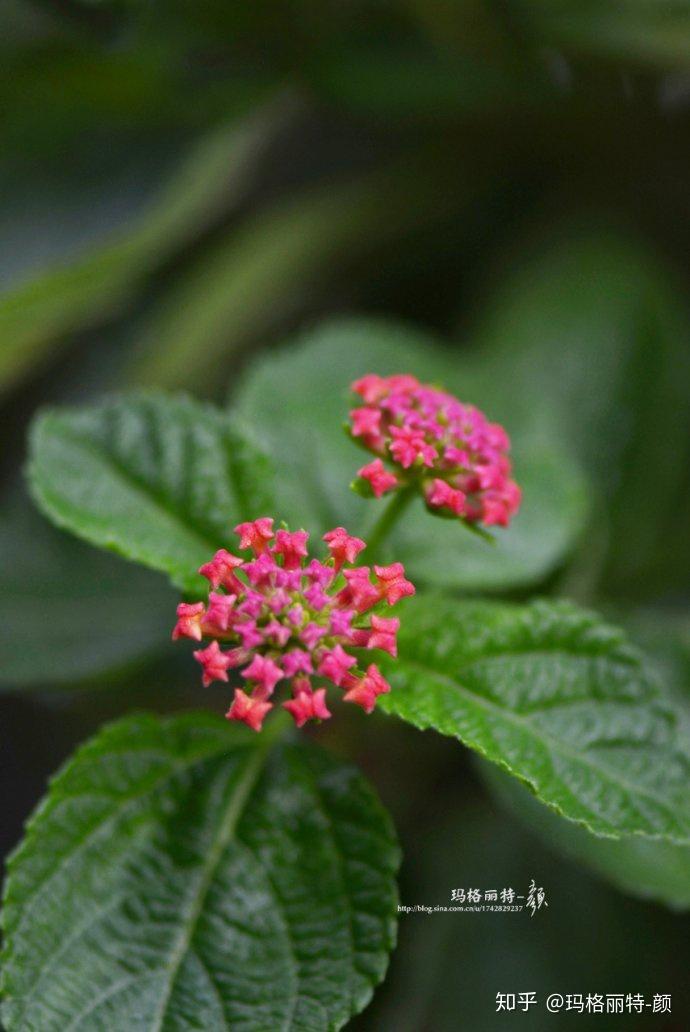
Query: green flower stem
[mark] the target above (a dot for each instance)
(386, 521)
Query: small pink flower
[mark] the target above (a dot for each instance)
(365, 424)
(262, 570)
(220, 610)
(189, 618)
(265, 672)
(277, 600)
(343, 547)
(341, 622)
(307, 704)
(365, 690)
(359, 592)
(383, 632)
(251, 604)
(249, 633)
(442, 496)
(319, 573)
(295, 615)
(277, 633)
(381, 636)
(378, 477)
(335, 664)
(292, 547)
(392, 583)
(371, 388)
(297, 661)
(220, 570)
(287, 616)
(312, 634)
(256, 534)
(291, 580)
(316, 596)
(248, 709)
(408, 445)
(214, 662)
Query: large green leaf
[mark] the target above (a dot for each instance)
(183, 875)
(157, 478)
(299, 398)
(555, 697)
(69, 612)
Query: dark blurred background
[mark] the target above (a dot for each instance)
(185, 184)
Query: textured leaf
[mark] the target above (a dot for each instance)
(182, 875)
(69, 612)
(555, 697)
(299, 399)
(650, 868)
(157, 478)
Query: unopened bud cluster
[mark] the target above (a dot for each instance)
(426, 437)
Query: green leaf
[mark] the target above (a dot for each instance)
(68, 612)
(590, 336)
(635, 31)
(448, 964)
(652, 869)
(181, 874)
(268, 267)
(157, 478)
(555, 697)
(649, 868)
(298, 398)
(38, 316)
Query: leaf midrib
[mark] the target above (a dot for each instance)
(124, 804)
(227, 826)
(558, 746)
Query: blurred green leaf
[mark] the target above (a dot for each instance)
(643, 32)
(449, 966)
(664, 632)
(589, 336)
(651, 869)
(70, 613)
(298, 400)
(39, 315)
(554, 696)
(180, 874)
(157, 478)
(405, 80)
(269, 267)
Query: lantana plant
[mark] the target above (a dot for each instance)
(225, 868)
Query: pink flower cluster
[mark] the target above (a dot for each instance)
(289, 617)
(423, 436)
